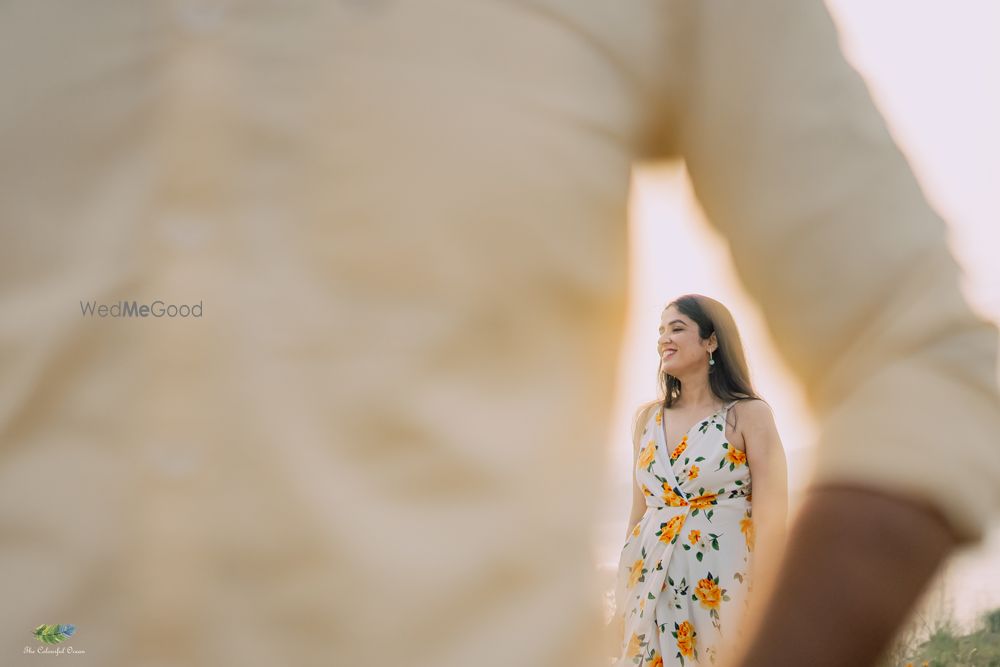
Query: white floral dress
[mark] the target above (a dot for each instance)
(683, 578)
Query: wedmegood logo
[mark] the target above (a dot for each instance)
(156, 308)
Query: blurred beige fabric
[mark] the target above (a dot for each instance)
(405, 223)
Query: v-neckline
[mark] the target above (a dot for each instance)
(663, 428)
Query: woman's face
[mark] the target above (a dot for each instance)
(680, 333)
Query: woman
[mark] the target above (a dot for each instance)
(688, 563)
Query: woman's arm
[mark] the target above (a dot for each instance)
(769, 488)
(638, 499)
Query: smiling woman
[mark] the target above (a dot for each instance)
(690, 553)
(701, 332)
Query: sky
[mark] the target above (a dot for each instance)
(931, 68)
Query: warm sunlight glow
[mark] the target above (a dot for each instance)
(940, 103)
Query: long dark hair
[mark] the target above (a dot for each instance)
(728, 377)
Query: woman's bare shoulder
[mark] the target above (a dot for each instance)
(746, 412)
(751, 411)
(642, 417)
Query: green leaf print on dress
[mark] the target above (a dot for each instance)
(682, 581)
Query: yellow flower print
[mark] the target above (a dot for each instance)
(671, 498)
(646, 491)
(679, 449)
(735, 456)
(635, 573)
(648, 454)
(700, 544)
(656, 661)
(710, 596)
(634, 646)
(708, 593)
(704, 501)
(694, 473)
(659, 416)
(685, 635)
(670, 529)
(747, 528)
(635, 531)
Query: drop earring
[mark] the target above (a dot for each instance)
(711, 361)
